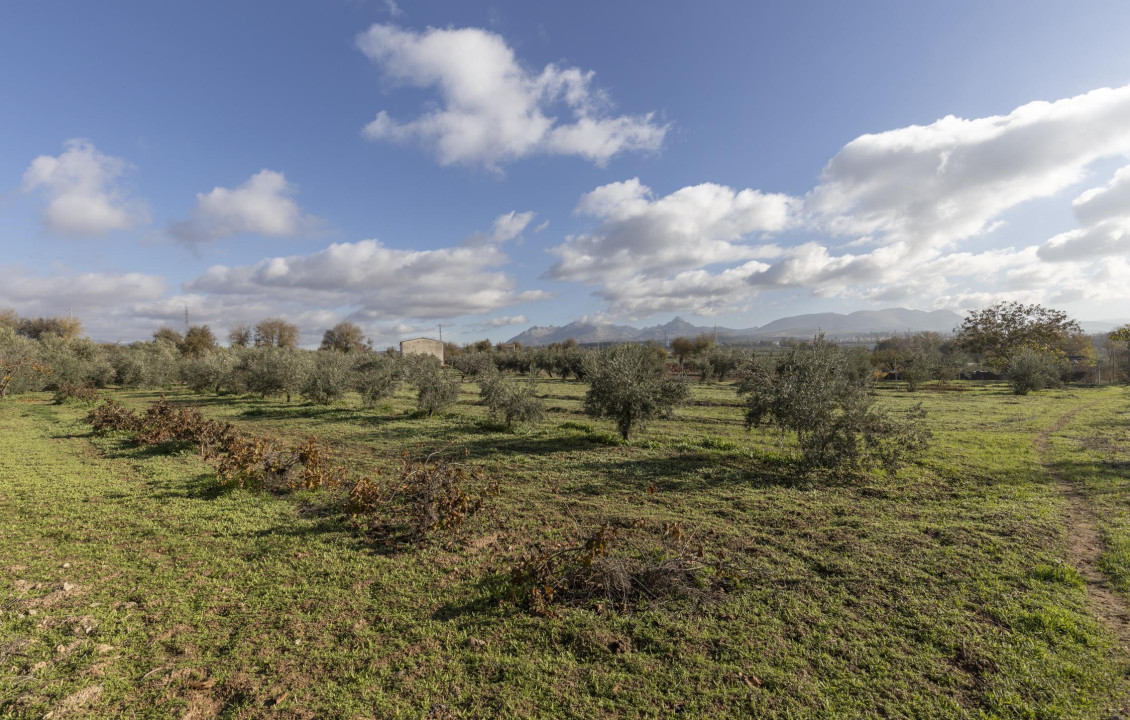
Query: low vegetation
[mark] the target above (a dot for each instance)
(212, 548)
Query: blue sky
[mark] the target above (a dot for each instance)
(492, 166)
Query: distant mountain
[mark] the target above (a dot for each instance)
(862, 323)
(678, 328)
(1094, 327)
(582, 332)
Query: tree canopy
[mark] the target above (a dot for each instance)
(998, 332)
(276, 332)
(343, 337)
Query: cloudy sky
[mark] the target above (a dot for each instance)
(488, 166)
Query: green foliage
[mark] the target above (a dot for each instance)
(629, 385)
(275, 370)
(1000, 331)
(75, 362)
(473, 363)
(198, 340)
(344, 337)
(20, 369)
(1032, 369)
(510, 400)
(377, 377)
(215, 372)
(150, 365)
(329, 377)
(76, 395)
(436, 390)
(819, 393)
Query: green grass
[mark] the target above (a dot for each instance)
(942, 592)
(1093, 452)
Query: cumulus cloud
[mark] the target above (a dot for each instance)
(894, 209)
(505, 321)
(261, 206)
(84, 197)
(104, 301)
(692, 227)
(491, 109)
(936, 184)
(1104, 218)
(382, 281)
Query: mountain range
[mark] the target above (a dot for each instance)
(862, 323)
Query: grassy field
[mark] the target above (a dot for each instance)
(132, 585)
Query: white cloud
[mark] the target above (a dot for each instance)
(382, 282)
(103, 301)
(83, 195)
(493, 110)
(261, 206)
(511, 225)
(393, 9)
(692, 227)
(906, 200)
(505, 321)
(936, 184)
(1104, 216)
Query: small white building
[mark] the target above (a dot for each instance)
(422, 346)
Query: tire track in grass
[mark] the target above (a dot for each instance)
(1084, 543)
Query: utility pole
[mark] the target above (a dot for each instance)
(186, 319)
(440, 326)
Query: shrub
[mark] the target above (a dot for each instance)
(921, 367)
(511, 401)
(435, 390)
(630, 386)
(76, 394)
(328, 378)
(606, 568)
(377, 377)
(817, 392)
(242, 459)
(427, 497)
(1033, 370)
(111, 416)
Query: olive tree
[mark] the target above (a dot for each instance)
(328, 378)
(377, 377)
(20, 369)
(275, 370)
(214, 371)
(1031, 370)
(510, 400)
(435, 389)
(629, 385)
(818, 392)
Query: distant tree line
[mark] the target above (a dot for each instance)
(819, 390)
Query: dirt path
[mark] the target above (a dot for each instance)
(1085, 545)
